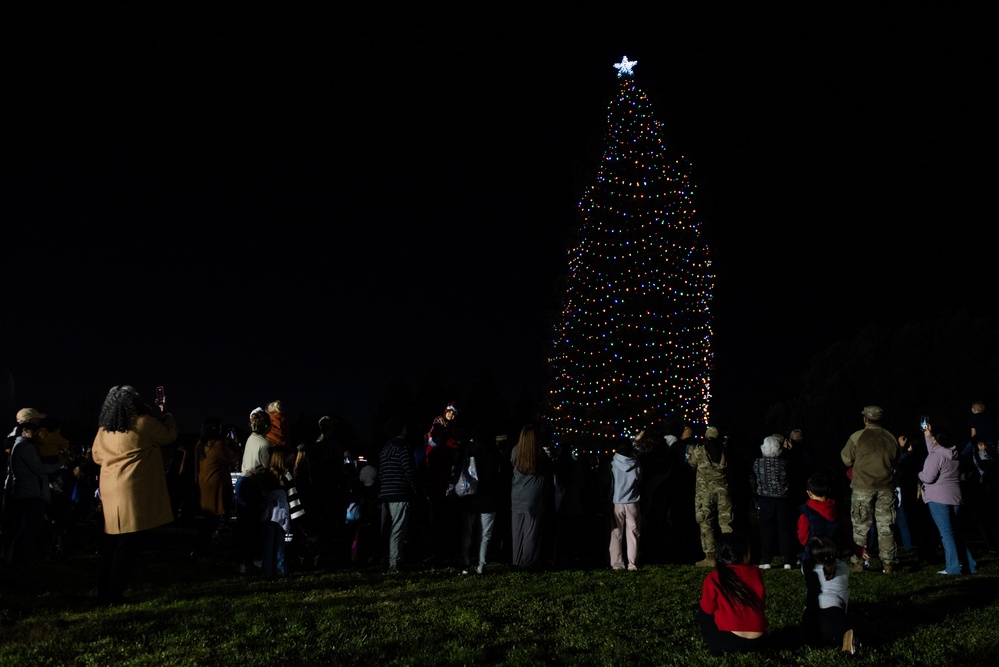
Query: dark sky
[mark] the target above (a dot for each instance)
(246, 204)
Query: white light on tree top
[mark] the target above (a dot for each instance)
(624, 67)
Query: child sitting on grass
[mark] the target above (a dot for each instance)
(825, 622)
(732, 613)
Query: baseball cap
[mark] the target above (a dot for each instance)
(872, 412)
(29, 415)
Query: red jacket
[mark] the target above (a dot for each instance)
(827, 510)
(729, 617)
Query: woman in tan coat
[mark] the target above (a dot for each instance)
(215, 457)
(133, 486)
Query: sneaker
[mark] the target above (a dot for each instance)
(943, 572)
(464, 570)
(850, 644)
(480, 568)
(889, 568)
(764, 566)
(787, 566)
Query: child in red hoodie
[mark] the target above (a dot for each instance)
(819, 518)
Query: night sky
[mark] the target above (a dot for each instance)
(248, 204)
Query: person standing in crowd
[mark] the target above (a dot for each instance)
(712, 502)
(569, 486)
(256, 459)
(657, 468)
(941, 478)
(981, 425)
(684, 541)
(28, 495)
(318, 472)
(772, 475)
(732, 613)
(982, 496)
(214, 459)
(281, 511)
(478, 511)
(625, 519)
(872, 453)
(531, 468)
(397, 472)
(128, 448)
(441, 458)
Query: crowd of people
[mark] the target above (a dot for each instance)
(672, 494)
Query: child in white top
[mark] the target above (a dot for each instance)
(826, 622)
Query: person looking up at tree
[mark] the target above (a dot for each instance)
(712, 501)
(871, 453)
(134, 496)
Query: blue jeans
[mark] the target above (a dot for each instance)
(272, 557)
(476, 528)
(945, 516)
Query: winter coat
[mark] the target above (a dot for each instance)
(626, 476)
(214, 478)
(941, 475)
(133, 482)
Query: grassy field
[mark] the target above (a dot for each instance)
(182, 612)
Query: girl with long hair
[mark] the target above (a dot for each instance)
(531, 468)
(732, 613)
(825, 622)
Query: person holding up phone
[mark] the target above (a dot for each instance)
(941, 478)
(133, 486)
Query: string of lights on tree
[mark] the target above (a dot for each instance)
(632, 344)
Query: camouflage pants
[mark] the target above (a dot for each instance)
(712, 503)
(877, 507)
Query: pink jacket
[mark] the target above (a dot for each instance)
(941, 475)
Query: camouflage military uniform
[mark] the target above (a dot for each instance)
(871, 453)
(711, 498)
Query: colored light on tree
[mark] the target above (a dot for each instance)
(632, 344)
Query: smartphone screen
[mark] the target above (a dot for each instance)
(159, 394)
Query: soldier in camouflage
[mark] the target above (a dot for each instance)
(712, 502)
(871, 453)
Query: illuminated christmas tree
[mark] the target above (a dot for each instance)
(632, 344)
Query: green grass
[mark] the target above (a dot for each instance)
(181, 612)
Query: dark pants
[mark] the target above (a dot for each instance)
(721, 641)
(32, 517)
(825, 627)
(775, 529)
(118, 556)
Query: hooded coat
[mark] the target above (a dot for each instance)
(626, 479)
(941, 475)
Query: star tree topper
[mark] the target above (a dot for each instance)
(624, 67)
